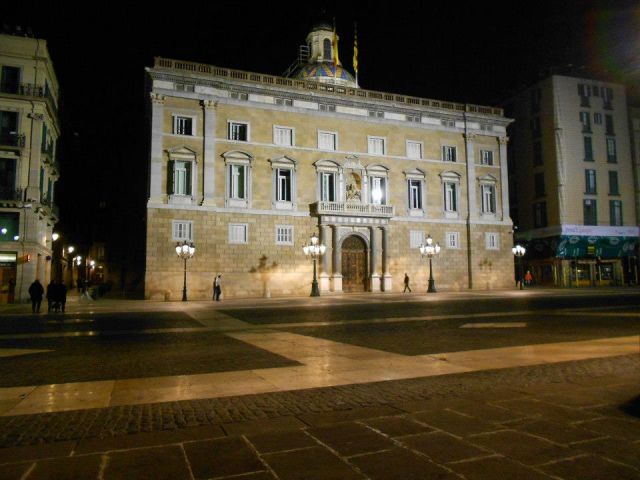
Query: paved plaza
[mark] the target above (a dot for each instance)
(531, 384)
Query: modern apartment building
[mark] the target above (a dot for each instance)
(571, 172)
(248, 166)
(29, 131)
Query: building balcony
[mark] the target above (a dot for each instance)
(10, 194)
(31, 91)
(353, 208)
(12, 140)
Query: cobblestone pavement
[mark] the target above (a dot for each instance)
(567, 420)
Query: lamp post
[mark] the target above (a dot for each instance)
(314, 249)
(519, 252)
(185, 252)
(430, 249)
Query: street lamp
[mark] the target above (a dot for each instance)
(185, 252)
(519, 252)
(430, 249)
(314, 249)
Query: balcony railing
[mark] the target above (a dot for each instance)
(353, 208)
(11, 194)
(9, 139)
(29, 90)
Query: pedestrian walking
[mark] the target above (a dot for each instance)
(217, 287)
(35, 292)
(51, 296)
(528, 278)
(406, 283)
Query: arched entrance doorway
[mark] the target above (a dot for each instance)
(354, 264)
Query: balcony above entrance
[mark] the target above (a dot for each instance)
(353, 208)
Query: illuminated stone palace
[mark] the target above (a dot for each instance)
(248, 166)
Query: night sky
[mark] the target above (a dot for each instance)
(477, 52)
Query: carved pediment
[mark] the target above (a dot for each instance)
(181, 153)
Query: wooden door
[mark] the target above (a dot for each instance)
(354, 265)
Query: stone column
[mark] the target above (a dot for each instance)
(336, 276)
(33, 192)
(373, 260)
(324, 262)
(157, 120)
(209, 132)
(504, 178)
(386, 276)
(472, 203)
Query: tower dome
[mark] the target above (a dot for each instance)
(321, 65)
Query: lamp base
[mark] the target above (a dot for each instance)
(432, 286)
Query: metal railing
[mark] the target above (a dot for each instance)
(10, 193)
(201, 68)
(10, 139)
(354, 208)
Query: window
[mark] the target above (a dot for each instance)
(182, 125)
(10, 79)
(378, 187)
(328, 186)
(588, 149)
(414, 149)
(8, 179)
(9, 128)
(283, 136)
(327, 141)
(182, 230)
(452, 239)
(448, 153)
(613, 183)
(238, 233)
(181, 178)
(240, 96)
(608, 122)
(611, 151)
(491, 241)
(376, 113)
(284, 234)
(540, 214)
(615, 212)
(185, 87)
(237, 175)
(488, 193)
(486, 157)
(450, 197)
(585, 92)
(326, 46)
(590, 182)
(607, 98)
(283, 185)
(415, 194)
(597, 118)
(590, 212)
(539, 184)
(324, 107)
(416, 238)
(537, 153)
(585, 119)
(238, 131)
(414, 118)
(376, 145)
(287, 102)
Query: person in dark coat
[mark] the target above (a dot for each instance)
(35, 292)
(217, 287)
(51, 296)
(62, 295)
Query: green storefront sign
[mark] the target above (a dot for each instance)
(579, 246)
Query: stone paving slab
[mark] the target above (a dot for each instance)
(350, 439)
(590, 467)
(222, 457)
(314, 463)
(443, 448)
(399, 463)
(497, 467)
(155, 463)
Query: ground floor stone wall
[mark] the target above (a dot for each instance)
(260, 267)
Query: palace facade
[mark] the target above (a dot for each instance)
(248, 166)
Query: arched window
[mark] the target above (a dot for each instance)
(327, 49)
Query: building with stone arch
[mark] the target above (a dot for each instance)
(247, 166)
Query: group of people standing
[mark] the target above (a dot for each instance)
(56, 296)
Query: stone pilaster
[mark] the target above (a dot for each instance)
(157, 117)
(209, 132)
(472, 201)
(504, 178)
(336, 276)
(373, 260)
(324, 262)
(33, 192)
(386, 276)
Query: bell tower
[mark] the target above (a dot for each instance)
(320, 43)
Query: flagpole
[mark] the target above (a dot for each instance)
(335, 53)
(355, 51)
